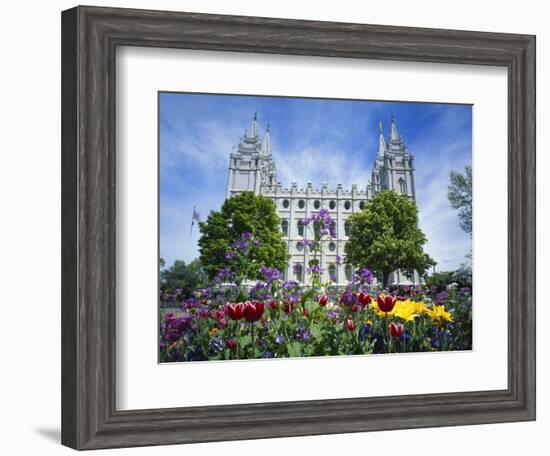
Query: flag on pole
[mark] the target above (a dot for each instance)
(194, 218)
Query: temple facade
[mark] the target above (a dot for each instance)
(252, 167)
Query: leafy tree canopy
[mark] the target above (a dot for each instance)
(460, 197)
(245, 212)
(186, 277)
(385, 236)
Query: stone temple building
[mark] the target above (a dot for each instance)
(252, 168)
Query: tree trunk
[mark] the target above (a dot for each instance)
(385, 277)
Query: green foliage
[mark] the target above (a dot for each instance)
(440, 279)
(460, 197)
(243, 213)
(187, 277)
(462, 277)
(385, 236)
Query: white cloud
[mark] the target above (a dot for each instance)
(447, 243)
(323, 164)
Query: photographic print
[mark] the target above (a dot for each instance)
(296, 227)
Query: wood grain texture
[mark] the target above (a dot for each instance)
(89, 39)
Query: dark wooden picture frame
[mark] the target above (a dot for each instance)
(90, 36)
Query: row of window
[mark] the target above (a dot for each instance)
(300, 246)
(317, 204)
(299, 272)
(301, 227)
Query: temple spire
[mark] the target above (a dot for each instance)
(394, 136)
(266, 144)
(381, 143)
(253, 132)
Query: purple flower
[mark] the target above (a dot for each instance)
(173, 336)
(289, 284)
(464, 291)
(348, 298)
(255, 291)
(190, 303)
(240, 245)
(315, 269)
(201, 313)
(366, 276)
(297, 268)
(230, 254)
(339, 260)
(304, 334)
(224, 273)
(442, 295)
(247, 235)
(180, 324)
(270, 274)
(279, 339)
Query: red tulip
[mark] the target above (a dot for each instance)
(235, 311)
(305, 312)
(253, 311)
(396, 330)
(364, 299)
(386, 303)
(356, 308)
(351, 325)
(231, 344)
(272, 304)
(288, 306)
(323, 300)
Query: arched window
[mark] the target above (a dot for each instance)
(300, 225)
(362, 205)
(348, 271)
(332, 246)
(347, 205)
(317, 204)
(332, 204)
(286, 203)
(301, 204)
(346, 227)
(299, 246)
(332, 272)
(284, 227)
(402, 187)
(298, 272)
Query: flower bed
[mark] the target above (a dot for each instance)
(276, 318)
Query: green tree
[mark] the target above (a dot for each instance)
(185, 276)
(245, 212)
(460, 196)
(385, 236)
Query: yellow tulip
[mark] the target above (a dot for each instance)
(438, 313)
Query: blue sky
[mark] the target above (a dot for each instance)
(313, 140)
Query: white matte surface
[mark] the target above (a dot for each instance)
(142, 72)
